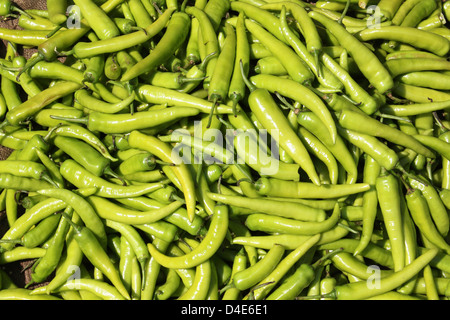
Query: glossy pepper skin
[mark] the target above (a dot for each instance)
(94, 251)
(209, 245)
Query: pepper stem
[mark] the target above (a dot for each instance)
(83, 120)
(348, 228)
(46, 177)
(324, 258)
(330, 295)
(227, 287)
(251, 295)
(439, 122)
(183, 5)
(175, 197)
(285, 102)
(30, 63)
(205, 61)
(247, 82)
(183, 79)
(110, 172)
(75, 226)
(50, 132)
(235, 98)
(213, 109)
(53, 31)
(390, 116)
(344, 12)
(248, 177)
(17, 9)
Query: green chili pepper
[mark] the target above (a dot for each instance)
(201, 283)
(100, 288)
(414, 108)
(300, 93)
(252, 275)
(257, 156)
(402, 66)
(271, 223)
(124, 123)
(83, 134)
(372, 146)
(359, 290)
(94, 69)
(168, 288)
(268, 283)
(339, 149)
(370, 201)
(208, 246)
(7, 8)
(239, 264)
(31, 106)
(174, 80)
(270, 65)
(135, 240)
(108, 210)
(419, 94)
(26, 168)
(262, 16)
(9, 88)
(263, 105)
(157, 95)
(80, 177)
(119, 43)
(47, 264)
(25, 294)
(366, 60)
(10, 181)
(223, 70)
(319, 150)
(291, 61)
(57, 11)
(50, 49)
(389, 8)
(164, 152)
(290, 241)
(98, 19)
(39, 234)
(23, 223)
(206, 39)
(291, 209)
(302, 277)
(92, 103)
(236, 91)
(429, 79)
(83, 209)
(305, 190)
(177, 30)
(368, 125)
(436, 207)
(96, 254)
(136, 163)
(389, 201)
(141, 17)
(85, 155)
(112, 69)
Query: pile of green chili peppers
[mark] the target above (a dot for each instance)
(226, 150)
